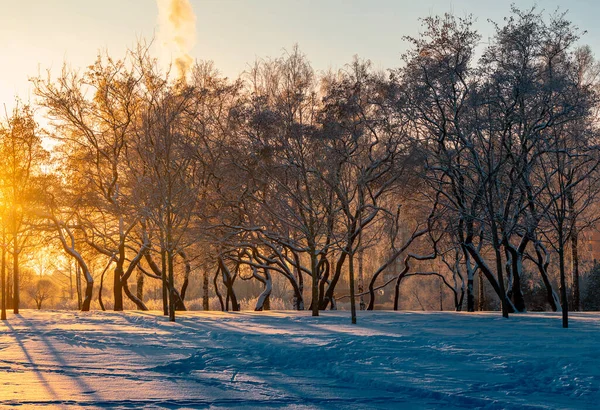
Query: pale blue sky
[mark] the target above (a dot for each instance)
(232, 33)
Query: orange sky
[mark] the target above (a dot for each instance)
(40, 34)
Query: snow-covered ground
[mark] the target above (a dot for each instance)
(292, 360)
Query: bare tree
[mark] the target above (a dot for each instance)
(95, 114)
(41, 291)
(24, 157)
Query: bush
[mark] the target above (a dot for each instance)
(591, 289)
(276, 304)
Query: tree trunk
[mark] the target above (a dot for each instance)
(78, 285)
(542, 264)
(574, 256)
(517, 293)
(458, 301)
(487, 272)
(334, 279)
(228, 282)
(314, 269)
(516, 268)
(179, 305)
(262, 301)
(298, 298)
(398, 281)
(441, 295)
(163, 274)
(117, 287)
(323, 269)
(498, 254)
(361, 279)
(118, 272)
(235, 306)
(470, 280)
(87, 300)
(481, 293)
(351, 283)
(9, 281)
(470, 295)
(100, 291)
(215, 283)
(171, 281)
(3, 278)
(16, 280)
(205, 304)
(138, 302)
(81, 267)
(575, 271)
(183, 291)
(70, 283)
(139, 291)
(563, 286)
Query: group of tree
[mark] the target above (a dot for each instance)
(487, 165)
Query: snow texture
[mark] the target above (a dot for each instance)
(291, 360)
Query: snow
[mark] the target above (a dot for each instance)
(292, 360)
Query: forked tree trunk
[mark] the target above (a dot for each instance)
(216, 285)
(71, 251)
(515, 266)
(543, 261)
(335, 279)
(262, 303)
(398, 281)
(486, 271)
(388, 263)
(228, 281)
(323, 269)
(138, 302)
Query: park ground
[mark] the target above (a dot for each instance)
(281, 359)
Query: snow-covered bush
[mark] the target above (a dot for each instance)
(591, 290)
(276, 304)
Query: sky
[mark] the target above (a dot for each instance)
(37, 35)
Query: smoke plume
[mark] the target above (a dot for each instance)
(177, 31)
